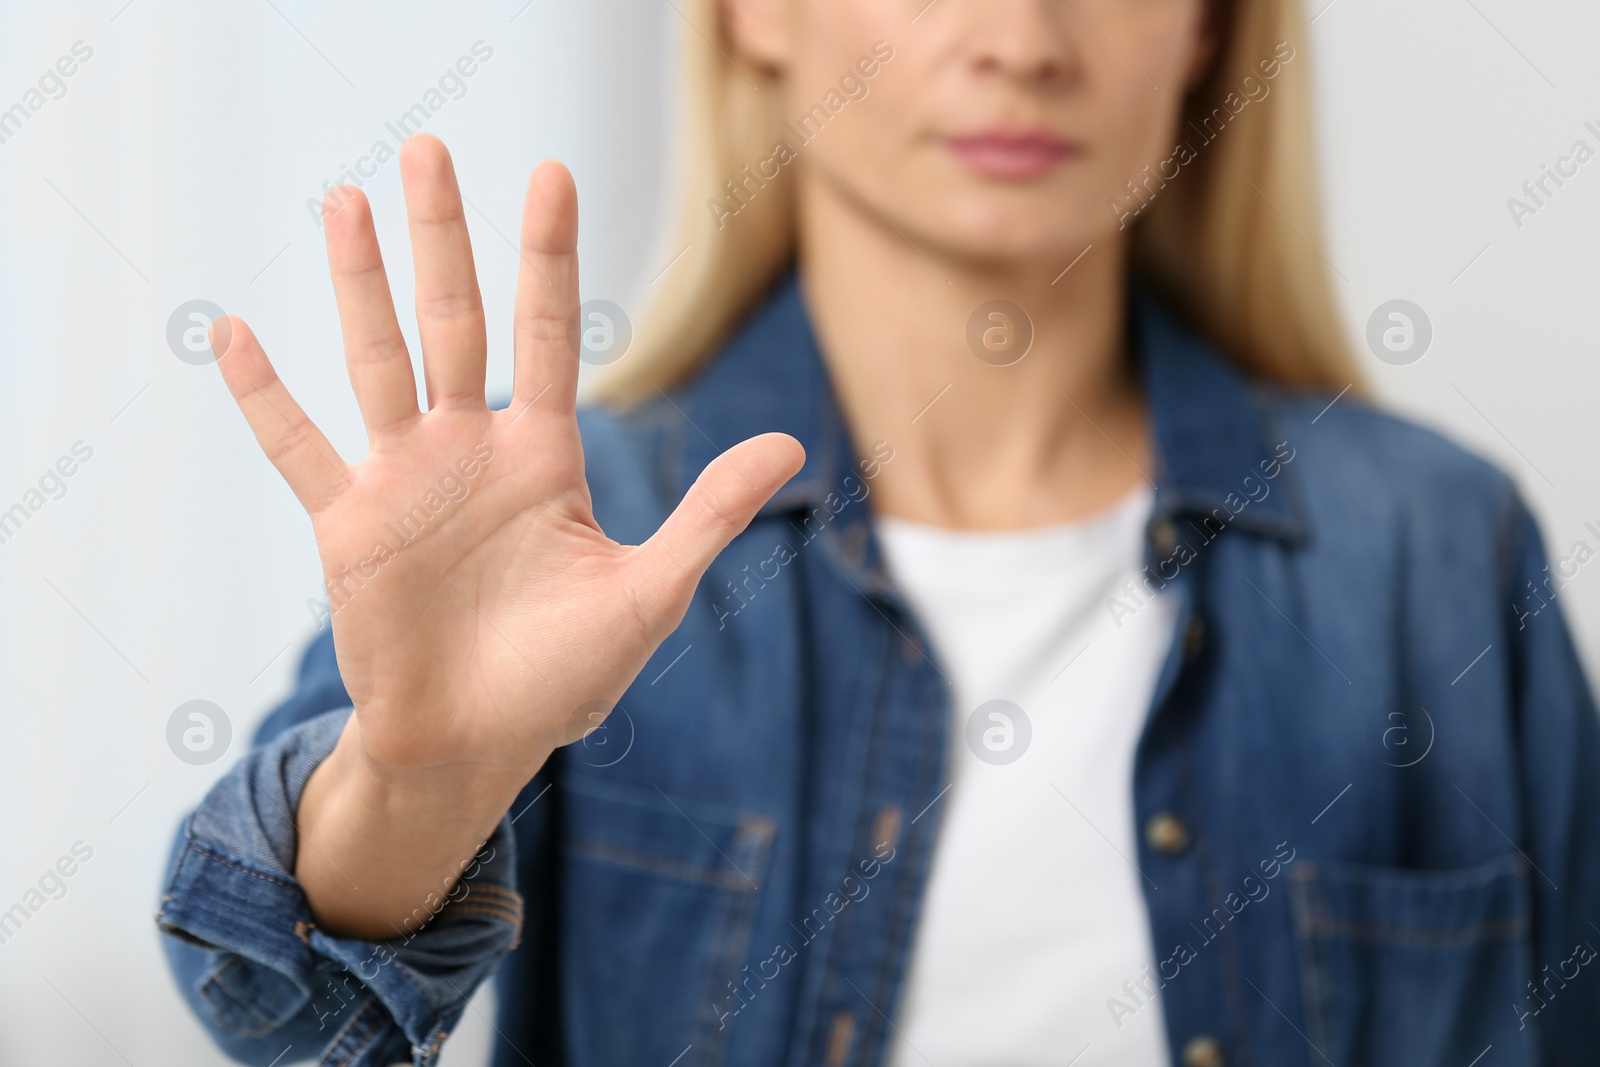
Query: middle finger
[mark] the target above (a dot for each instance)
(449, 306)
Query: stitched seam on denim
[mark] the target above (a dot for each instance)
(1180, 695)
(813, 1035)
(488, 911)
(905, 899)
(732, 942)
(405, 972)
(1313, 999)
(483, 907)
(866, 1035)
(496, 891)
(265, 1025)
(1509, 928)
(657, 865)
(348, 1034)
(510, 903)
(243, 870)
(430, 1053)
(1227, 949)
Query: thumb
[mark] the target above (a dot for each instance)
(716, 509)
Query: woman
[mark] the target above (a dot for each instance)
(1061, 665)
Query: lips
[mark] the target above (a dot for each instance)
(1013, 154)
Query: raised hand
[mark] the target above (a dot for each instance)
(480, 614)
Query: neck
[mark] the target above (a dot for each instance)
(1054, 437)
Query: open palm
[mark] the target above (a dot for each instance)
(480, 614)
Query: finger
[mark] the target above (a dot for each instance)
(374, 349)
(717, 507)
(449, 307)
(291, 441)
(547, 292)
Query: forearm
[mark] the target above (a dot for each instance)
(380, 851)
(256, 963)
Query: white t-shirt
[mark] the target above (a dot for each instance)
(1035, 913)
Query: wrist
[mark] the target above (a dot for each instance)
(448, 801)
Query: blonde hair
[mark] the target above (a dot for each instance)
(1232, 243)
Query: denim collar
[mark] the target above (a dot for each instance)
(1210, 432)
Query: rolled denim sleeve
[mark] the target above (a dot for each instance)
(272, 987)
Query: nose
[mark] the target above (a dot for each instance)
(1027, 41)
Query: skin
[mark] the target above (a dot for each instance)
(900, 242)
(488, 641)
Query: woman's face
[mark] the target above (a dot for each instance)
(997, 129)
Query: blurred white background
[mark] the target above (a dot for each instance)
(177, 165)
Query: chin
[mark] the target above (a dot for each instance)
(1011, 229)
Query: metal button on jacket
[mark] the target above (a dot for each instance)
(1202, 1051)
(1166, 833)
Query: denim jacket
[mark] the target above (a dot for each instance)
(1368, 784)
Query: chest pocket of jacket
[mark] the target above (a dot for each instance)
(658, 898)
(1415, 968)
